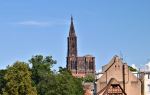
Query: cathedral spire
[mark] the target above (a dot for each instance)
(72, 30)
(71, 18)
(72, 41)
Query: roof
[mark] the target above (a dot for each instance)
(112, 61)
(88, 55)
(106, 88)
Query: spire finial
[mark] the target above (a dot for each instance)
(71, 18)
(72, 30)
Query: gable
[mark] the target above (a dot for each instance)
(111, 63)
(113, 70)
(113, 87)
(126, 79)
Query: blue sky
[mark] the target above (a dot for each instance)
(104, 28)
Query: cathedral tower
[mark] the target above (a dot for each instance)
(80, 66)
(72, 48)
(72, 41)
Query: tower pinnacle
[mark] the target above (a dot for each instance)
(72, 30)
(72, 41)
(71, 18)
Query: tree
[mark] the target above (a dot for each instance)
(2, 80)
(67, 84)
(132, 69)
(42, 75)
(18, 80)
(89, 78)
(49, 82)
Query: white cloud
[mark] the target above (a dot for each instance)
(41, 23)
(134, 66)
(147, 66)
(33, 23)
(99, 71)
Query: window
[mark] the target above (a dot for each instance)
(91, 65)
(148, 87)
(148, 76)
(73, 65)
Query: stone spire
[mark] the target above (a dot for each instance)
(72, 30)
(72, 41)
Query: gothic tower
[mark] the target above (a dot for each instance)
(72, 41)
(72, 48)
(80, 66)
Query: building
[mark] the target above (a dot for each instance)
(146, 82)
(145, 79)
(117, 79)
(79, 66)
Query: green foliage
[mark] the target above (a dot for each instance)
(42, 74)
(18, 80)
(47, 86)
(67, 84)
(132, 69)
(89, 78)
(41, 67)
(50, 83)
(2, 80)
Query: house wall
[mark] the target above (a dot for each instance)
(147, 84)
(115, 70)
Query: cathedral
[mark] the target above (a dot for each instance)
(80, 66)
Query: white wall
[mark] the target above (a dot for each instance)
(147, 84)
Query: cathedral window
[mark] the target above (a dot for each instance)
(73, 46)
(90, 65)
(73, 65)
